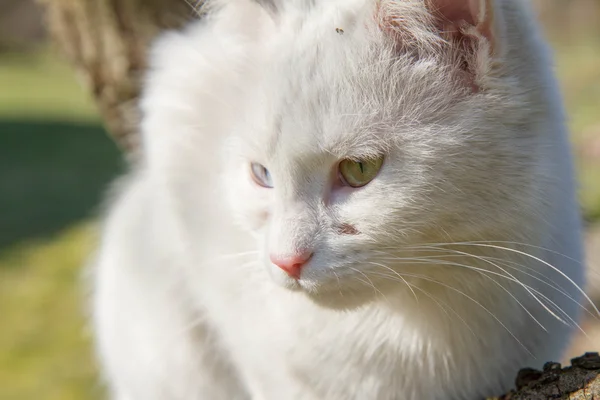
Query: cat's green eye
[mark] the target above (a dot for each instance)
(359, 173)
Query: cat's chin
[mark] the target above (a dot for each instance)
(338, 301)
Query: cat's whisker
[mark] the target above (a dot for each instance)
(521, 244)
(592, 265)
(514, 279)
(371, 284)
(486, 273)
(196, 8)
(231, 256)
(552, 303)
(398, 275)
(560, 289)
(426, 278)
(245, 253)
(456, 314)
(562, 292)
(575, 285)
(446, 256)
(436, 301)
(560, 310)
(516, 266)
(532, 291)
(339, 284)
(442, 306)
(550, 284)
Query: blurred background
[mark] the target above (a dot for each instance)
(56, 161)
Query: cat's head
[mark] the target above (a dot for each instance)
(361, 128)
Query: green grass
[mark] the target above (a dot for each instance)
(40, 86)
(44, 345)
(578, 68)
(55, 162)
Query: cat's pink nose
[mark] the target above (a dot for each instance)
(291, 264)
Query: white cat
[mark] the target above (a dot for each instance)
(343, 199)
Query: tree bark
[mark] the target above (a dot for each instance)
(107, 43)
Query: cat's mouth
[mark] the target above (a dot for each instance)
(342, 287)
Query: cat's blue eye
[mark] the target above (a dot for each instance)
(261, 175)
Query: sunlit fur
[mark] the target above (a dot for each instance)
(456, 266)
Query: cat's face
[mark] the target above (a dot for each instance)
(353, 148)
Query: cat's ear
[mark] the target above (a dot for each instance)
(473, 18)
(461, 21)
(470, 32)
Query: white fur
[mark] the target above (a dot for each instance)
(187, 305)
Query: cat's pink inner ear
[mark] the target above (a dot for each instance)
(463, 16)
(457, 11)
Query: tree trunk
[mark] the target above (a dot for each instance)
(107, 42)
